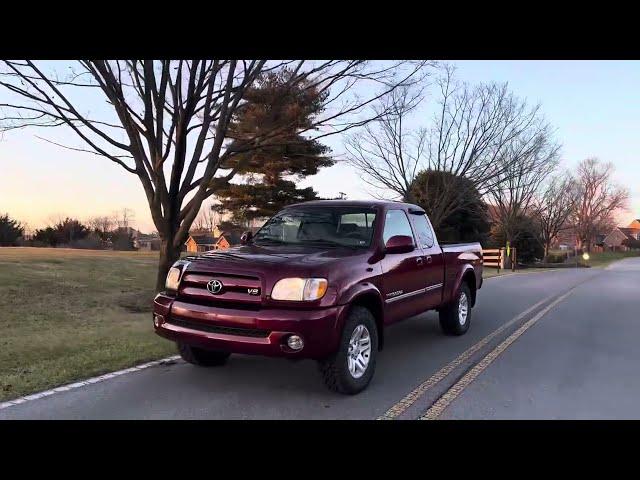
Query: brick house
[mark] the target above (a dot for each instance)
(618, 235)
(565, 240)
(197, 243)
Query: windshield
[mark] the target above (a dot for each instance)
(322, 226)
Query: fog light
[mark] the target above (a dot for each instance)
(157, 320)
(295, 342)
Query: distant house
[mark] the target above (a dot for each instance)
(205, 242)
(228, 239)
(618, 235)
(201, 243)
(147, 242)
(566, 239)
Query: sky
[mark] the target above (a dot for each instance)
(593, 105)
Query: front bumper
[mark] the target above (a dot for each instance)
(259, 332)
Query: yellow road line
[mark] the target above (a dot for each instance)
(443, 402)
(397, 409)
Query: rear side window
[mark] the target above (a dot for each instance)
(423, 231)
(396, 223)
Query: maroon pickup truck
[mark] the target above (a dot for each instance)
(320, 280)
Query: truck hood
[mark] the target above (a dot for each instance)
(257, 257)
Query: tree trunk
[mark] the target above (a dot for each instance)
(168, 255)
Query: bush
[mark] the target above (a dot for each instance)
(92, 242)
(122, 240)
(10, 231)
(527, 244)
(556, 258)
(469, 223)
(632, 244)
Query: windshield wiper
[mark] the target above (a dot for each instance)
(328, 243)
(225, 254)
(268, 240)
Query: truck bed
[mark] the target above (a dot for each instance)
(455, 255)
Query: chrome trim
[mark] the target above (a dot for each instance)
(433, 287)
(415, 292)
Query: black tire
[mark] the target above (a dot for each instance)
(202, 357)
(450, 315)
(335, 369)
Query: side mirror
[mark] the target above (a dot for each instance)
(246, 237)
(399, 244)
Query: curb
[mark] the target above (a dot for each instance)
(84, 383)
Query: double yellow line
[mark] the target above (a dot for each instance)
(445, 400)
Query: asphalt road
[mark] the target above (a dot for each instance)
(579, 360)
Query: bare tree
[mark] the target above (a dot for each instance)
(599, 198)
(168, 122)
(102, 225)
(474, 127)
(553, 206)
(479, 132)
(386, 152)
(525, 163)
(207, 219)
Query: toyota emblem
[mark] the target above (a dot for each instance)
(214, 286)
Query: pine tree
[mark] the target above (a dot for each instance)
(282, 111)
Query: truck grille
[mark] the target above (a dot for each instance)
(205, 327)
(238, 291)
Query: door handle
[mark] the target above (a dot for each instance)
(419, 260)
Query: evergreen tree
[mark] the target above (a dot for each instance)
(10, 231)
(282, 111)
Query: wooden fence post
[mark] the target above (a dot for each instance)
(492, 257)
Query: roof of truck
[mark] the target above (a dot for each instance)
(356, 203)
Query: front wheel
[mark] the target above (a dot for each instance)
(456, 317)
(351, 368)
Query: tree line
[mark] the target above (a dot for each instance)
(99, 232)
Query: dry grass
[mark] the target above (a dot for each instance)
(606, 258)
(68, 314)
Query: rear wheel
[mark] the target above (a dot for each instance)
(202, 357)
(351, 368)
(456, 317)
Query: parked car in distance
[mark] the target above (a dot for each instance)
(320, 280)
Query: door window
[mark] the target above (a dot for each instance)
(423, 231)
(396, 223)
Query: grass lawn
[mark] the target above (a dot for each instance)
(596, 260)
(71, 314)
(488, 272)
(605, 258)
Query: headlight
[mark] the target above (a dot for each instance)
(173, 279)
(299, 289)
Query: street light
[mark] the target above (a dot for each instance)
(585, 257)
